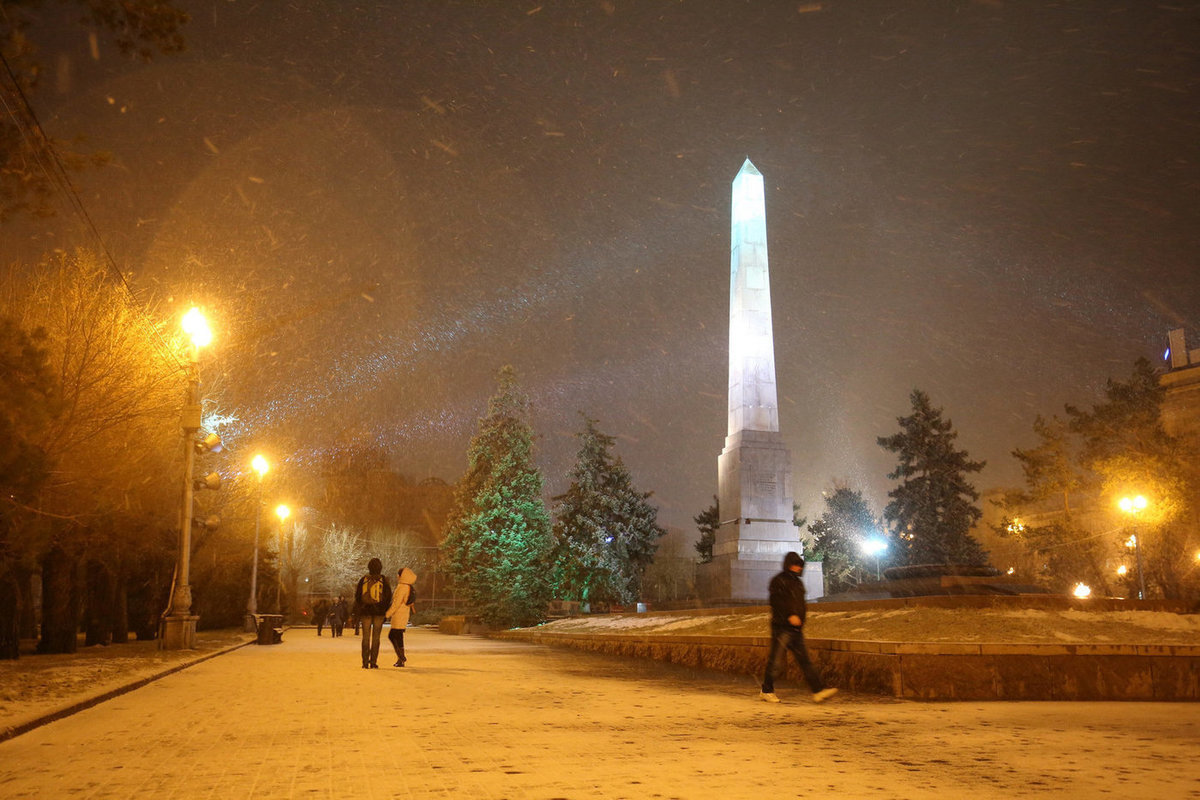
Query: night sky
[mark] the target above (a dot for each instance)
(382, 203)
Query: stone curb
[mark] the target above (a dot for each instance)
(12, 731)
(869, 646)
(928, 670)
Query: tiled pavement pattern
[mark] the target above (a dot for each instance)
(473, 718)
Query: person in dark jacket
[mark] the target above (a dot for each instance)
(372, 596)
(788, 612)
(320, 615)
(337, 616)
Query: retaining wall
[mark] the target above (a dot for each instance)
(928, 671)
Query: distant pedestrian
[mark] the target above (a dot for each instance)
(788, 613)
(320, 612)
(372, 598)
(337, 616)
(400, 610)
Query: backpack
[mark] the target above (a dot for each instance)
(372, 590)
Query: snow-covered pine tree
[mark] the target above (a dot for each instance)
(605, 530)
(932, 509)
(840, 533)
(707, 522)
(497, 539)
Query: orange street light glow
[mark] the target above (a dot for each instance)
(282, 512)
(1132, 505)
(260, 465)
(196, 327)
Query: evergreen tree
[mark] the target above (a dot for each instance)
(1062, 551)
(932, 509)
(605, 531)
(1049, 468)
(1124, 449)
(707, 521)
(840, 533)
(497, 540)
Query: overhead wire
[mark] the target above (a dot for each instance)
(27, 123)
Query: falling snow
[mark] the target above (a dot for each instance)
(382, 203)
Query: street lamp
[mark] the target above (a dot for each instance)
(282, 512)
(1132, 506)
(259, 465)
(874, 547)
(179, 628)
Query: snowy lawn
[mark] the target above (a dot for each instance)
(34, 685)
(921, 625)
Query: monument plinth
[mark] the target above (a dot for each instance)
(754, 471)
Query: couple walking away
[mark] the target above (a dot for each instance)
(375, 601)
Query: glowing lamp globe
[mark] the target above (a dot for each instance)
(1132, 505)
(196, 327)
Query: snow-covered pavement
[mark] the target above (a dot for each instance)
(474, 718)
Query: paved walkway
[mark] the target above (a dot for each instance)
(474, 718)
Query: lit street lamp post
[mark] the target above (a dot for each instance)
(260, 466)
(1131, 506)
(179, 629)
(875, 547)
(282, 512)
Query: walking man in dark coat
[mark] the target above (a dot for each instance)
(788, 612)
(337, 616)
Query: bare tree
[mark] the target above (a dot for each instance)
(112, 447)
(343, 555)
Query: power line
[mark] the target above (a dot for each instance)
(26, 121)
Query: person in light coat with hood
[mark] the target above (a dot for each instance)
(403, 600)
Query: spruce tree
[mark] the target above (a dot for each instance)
(840, 533)
(497, 541)
(1124, 449)
(932, 509)
(707, 522)
(605, 531)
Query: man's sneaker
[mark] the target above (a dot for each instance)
(768, 697)
(823, 695)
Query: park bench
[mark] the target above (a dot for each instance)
(269, 628)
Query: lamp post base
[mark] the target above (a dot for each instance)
(179, 632)
(250, 625)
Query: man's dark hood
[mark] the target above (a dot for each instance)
(793, 559)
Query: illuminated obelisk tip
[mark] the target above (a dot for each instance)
(753, 403)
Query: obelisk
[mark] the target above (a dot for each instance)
(754, 471)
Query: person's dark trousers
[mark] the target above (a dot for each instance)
(320, 624)
(783, 639)
(336, 627)
(372, 629)
(396, 637)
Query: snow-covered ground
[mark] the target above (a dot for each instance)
(475, 718)
(35, 685)
(923, 625)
